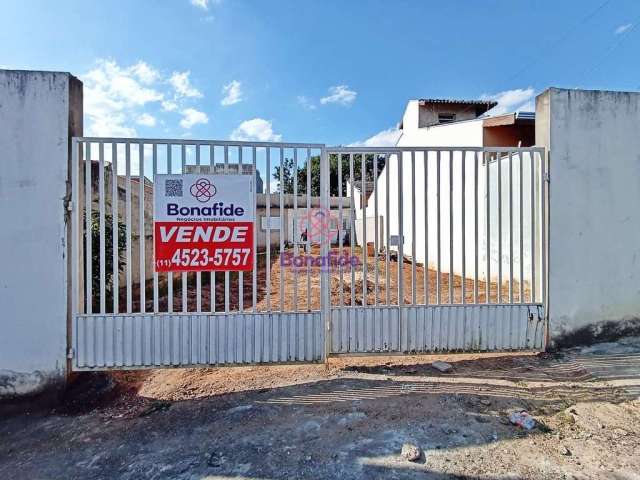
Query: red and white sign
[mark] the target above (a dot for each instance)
(203, 223)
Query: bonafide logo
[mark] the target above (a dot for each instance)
(203, 190)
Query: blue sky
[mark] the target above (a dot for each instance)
(334, 72)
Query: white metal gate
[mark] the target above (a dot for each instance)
(456, 257)
(124, 315)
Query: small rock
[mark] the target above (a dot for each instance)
(443, 367)
(565, 451)
(213, 460)
(410, 452)
(485, 402)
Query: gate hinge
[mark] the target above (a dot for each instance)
(547, 178)
(70, 353)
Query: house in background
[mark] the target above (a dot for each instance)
(464, 123)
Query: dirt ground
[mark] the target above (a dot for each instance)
(344, 285)
(349, 421)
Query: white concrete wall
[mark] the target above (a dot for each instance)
(594, 143)
(38, 113)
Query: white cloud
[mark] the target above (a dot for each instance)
(203, 4)
(385, 138)
(232, 92)
(146, 120)
(114, 94)
(340, 94)
(191, 117)
(519, 99)
(306, 103)
(623, 28)
(182, 85)
(256, 129)
(145, 73)
(169, 105)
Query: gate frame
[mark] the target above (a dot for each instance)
(76, 244)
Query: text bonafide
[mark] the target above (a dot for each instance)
(217, 209)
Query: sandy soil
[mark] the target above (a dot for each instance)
(346, 422)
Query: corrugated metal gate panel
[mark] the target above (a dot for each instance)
(422, 329)
(104, 342)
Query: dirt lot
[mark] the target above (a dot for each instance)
(296, 296)
(347, 422)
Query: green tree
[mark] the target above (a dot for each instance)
(288, 168)
(108, 250)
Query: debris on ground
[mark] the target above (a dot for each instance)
(410, 452)
(523, 419)
(443, 367)
(565, 451)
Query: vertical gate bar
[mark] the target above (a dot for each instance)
(463, 153)
(103, 239)
(309, 191)
(340, 233)
(154, 170)
(212, 279)
(294, 225)
(363, 207)
(226, 273)
(451, 226)
(476, 167)
(353, 232)
(401, 237)
(487, 159)
(185, 297)
(155, 274)
(143, 237)
(543, 239)
(325, 293)
(376, 226)
(141, 250)
(499, 172)
(521, 225)
(400, 250)
(387, 228)
(426, 226)
(281, 231)
(198, 274)
(510, 227)
(254, 280)
(115, 263)
(307, 227)
(169, 274)
(241, 274)
(438, 212)
(533, 229)
(76, 207)
(183, 155)
(88, 254)
(268, 239)
(128, 223)
(226, 276)
(413, 228)
(254, 292)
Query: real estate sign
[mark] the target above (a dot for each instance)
(203, 223)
